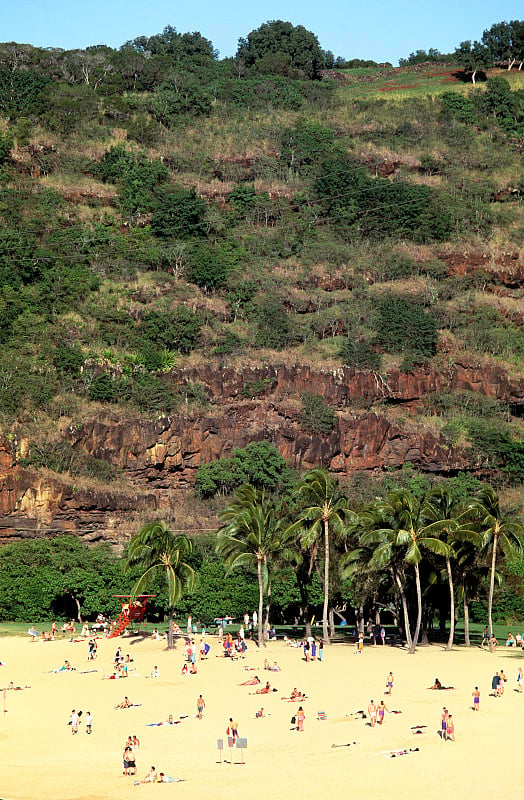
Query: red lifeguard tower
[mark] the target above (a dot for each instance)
(133, 611)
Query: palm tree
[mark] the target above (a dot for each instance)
(406, 528)
(252, 535)
(499, 529)
(156, 550)
(447, 518)
(324, 511)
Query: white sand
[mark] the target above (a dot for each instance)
(42, 759)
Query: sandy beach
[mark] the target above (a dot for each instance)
(42, 759)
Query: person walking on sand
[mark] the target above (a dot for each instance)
(381, 711)
(232, 729)
(300, 719)
(495, 685)
(89, 723)
(443, 723)
(503, 680)
(372, 712)
(389, 683)
(476, 699)
(200, 706)
(450, 729)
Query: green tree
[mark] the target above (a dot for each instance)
(402, 524)
(500, 530)
(473, 57)
(446, 519)
(252, 535)
(322, 516)
(156, 550)
(279, 47)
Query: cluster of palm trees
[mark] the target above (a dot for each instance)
(400, 542)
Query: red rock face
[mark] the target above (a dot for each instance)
(159, 459)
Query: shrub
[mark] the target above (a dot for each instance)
(102, 389)
(174, 330)
(228, 344)
(404, 326)
(305, 144)
(316, 416)
(68, 359)
(179, 213)
(359, 353)
(259, 463)
(273, 325)
(210, 265)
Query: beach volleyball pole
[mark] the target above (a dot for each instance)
(220, 747)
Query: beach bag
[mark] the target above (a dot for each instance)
(293, 720)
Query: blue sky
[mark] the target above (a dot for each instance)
(382, 30)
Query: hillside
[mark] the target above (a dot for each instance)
(192, 259)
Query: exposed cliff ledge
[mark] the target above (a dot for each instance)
(166, 453)
(344, 386)
(35, 504)
(158, 459)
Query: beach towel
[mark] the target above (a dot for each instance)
(321, 715)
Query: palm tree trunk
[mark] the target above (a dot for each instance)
(452, 605)
(466, 619)
(170, 629)
(331, 622)
(260, 603)
(419, 610)
(403, 600)
(268, 604)
(325, 634)
(492, 589)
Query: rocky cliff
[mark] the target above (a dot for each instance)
(158, 459)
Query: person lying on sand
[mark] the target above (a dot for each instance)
(252, 682)
(438, 685)
(12, 688)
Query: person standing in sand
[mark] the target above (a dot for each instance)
(372, 712)
(450, 729)
(520, 679)
(476, 699)
(389, 683)
(503, 680)
(89, 722)
(300, 718)
(74, 721)
(201, 704)
(443, 723)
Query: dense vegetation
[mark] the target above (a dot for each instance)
(161, 208)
